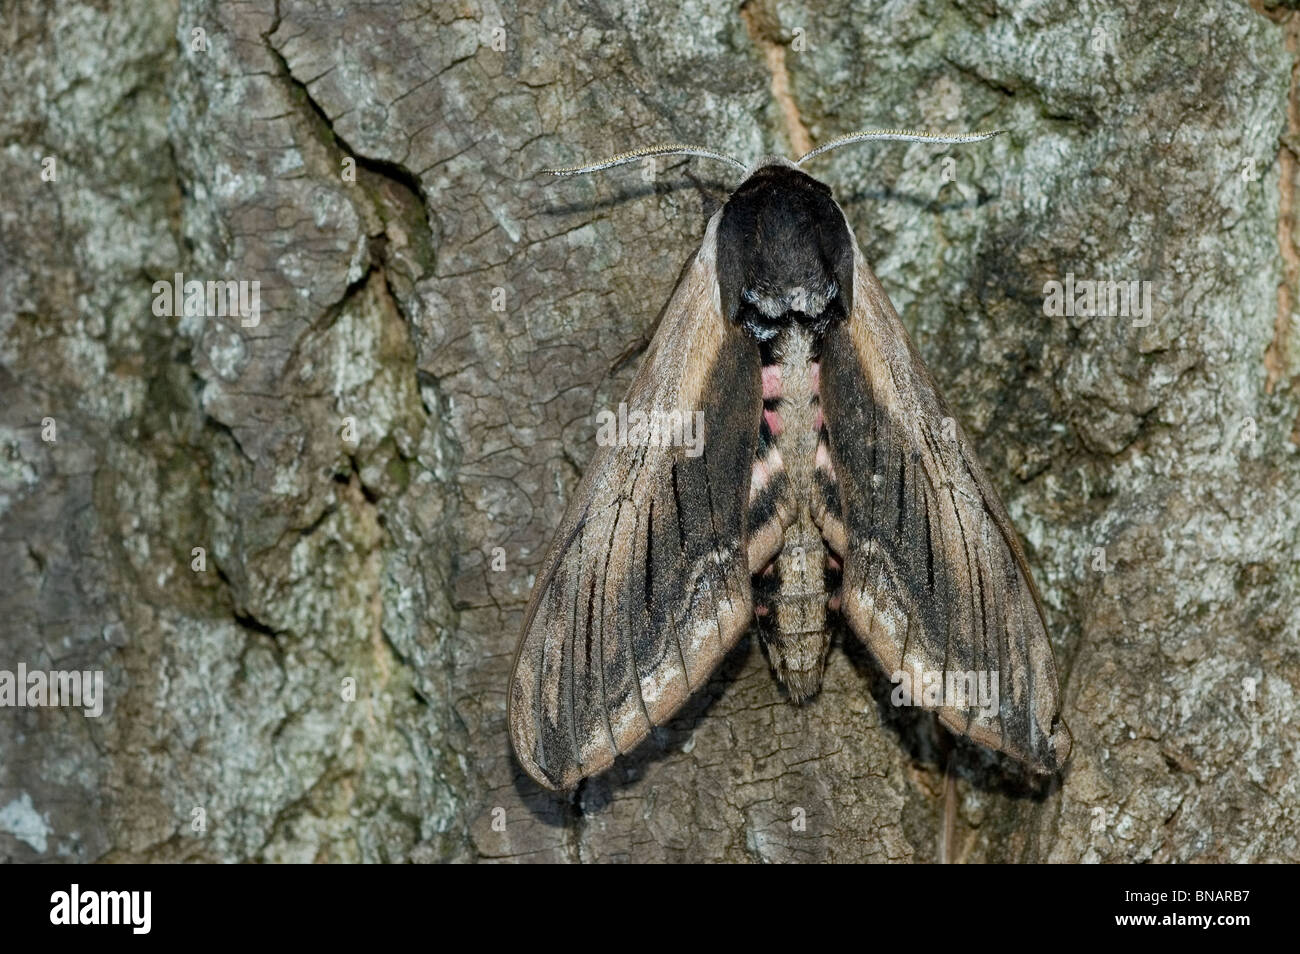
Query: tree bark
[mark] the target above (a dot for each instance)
(373, 468)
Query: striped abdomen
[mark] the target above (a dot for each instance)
(791, 588)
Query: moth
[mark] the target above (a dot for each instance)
(831, 478)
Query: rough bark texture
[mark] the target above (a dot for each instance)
(470, 318)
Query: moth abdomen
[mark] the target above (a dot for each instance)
(792, 591)
(795, 629)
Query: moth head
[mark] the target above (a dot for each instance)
(784, 251)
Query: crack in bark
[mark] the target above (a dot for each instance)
(1275, 356)
(393, 172)
(764, 30)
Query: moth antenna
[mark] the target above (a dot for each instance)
(664, 149)
(897, 135)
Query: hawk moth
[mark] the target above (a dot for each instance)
(832, 479)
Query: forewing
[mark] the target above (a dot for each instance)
(934, 578)
(646, 587)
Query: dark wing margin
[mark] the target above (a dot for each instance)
(934, 577)
(646, 587)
